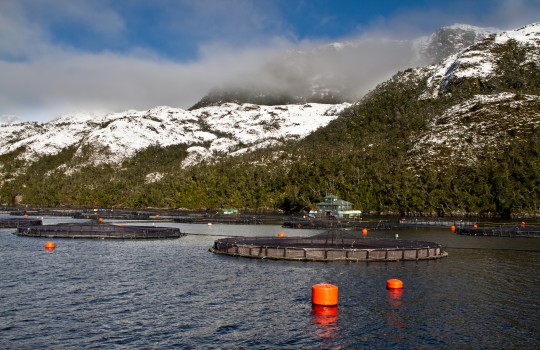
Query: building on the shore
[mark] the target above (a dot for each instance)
(228, 211)
(332, 206)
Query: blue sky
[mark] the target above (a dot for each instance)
(59, 56)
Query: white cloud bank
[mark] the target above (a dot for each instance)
(43, 76)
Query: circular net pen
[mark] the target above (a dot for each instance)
(18, 222)
(100, 231)
(328, 246)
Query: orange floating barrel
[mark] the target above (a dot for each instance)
(394, 283)
(49, 245)
(453, 228)
(324, 294)
(364, 231)
(281, 234)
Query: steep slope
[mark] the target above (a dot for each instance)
(449, 40)
(498, 81)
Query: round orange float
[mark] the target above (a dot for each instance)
(453, 228)
(394, 283)
(281, 234)
(324, 294)
(49, 245)
(364, 231)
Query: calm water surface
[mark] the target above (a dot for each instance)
(175, 294)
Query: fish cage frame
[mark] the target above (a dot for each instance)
(100, 231)
(329, 246)
(19, 222)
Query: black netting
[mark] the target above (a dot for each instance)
(93, 230)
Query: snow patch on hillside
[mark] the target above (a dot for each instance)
(208, 132)
(480, 63)
(474, 126)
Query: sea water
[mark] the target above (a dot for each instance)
(175, 294)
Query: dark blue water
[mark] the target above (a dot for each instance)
(175, 294)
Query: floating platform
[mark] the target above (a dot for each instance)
(317, 224)
(116, 214)
(220, 219)
(432, 222)
(500, 231)
(100, 231)
(19, 222)
(328, 246)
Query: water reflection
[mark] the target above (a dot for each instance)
(395, 302)
(325, 320)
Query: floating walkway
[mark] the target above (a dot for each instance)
(19, 222)
(317, 224)
(116, 214)
(100, 231)
(432, 222)
(220, 219)
(329, 246)
(499, 231)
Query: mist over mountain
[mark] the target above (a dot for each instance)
(9, 119)
(341, 71)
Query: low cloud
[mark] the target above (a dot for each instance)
(43, 77)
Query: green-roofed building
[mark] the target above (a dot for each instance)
(333, 206)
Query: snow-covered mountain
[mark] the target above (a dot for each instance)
(449, 40)
(487, 122)
(212, 131)
(232, 129)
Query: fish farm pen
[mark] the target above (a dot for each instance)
(318, 224)
(432, 222)
(499, 231)
(19, 222)
(328, 246)
(100, 231)
(220, 219)
(116, 214)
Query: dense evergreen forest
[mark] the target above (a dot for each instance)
(364, 157)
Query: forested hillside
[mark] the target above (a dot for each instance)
(414, 145)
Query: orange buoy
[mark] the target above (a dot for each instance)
(49, 245)
(394, 283)
(324, 294)
(100, 219)
(25, 216)
(475, 226)
(281, 234)
(453, 228)
(364, 231)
